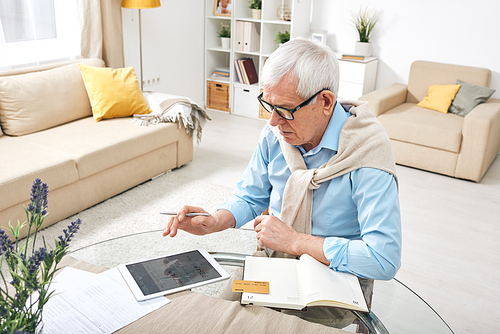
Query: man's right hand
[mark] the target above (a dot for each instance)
(198, 225)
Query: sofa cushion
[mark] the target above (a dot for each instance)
(425, 73)
(37, 101)
(23, 160)
(413, 124)
(98, 146)
(113, 92)
(468, 97)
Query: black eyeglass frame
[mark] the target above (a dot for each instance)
(266, 104)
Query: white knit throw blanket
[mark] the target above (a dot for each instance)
(363, 142)
(172, 108)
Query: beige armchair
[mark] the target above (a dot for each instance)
(462, 147)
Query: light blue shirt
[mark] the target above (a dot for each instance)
(357, 213)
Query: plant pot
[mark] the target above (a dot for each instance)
(226, 42)
(256, 13)
(363, 49)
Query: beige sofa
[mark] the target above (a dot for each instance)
(462, 147)
(49, 133)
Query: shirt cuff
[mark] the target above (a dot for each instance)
(240, 209)
(335, 250)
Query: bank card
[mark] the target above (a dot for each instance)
(250, 286)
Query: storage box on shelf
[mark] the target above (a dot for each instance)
(218, 96)
(245, 101)
(260, 38)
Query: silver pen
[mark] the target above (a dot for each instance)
(189, 214)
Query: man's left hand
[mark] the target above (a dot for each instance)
(276, 235)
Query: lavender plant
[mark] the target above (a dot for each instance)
(31, 270)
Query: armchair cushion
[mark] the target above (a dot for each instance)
(468, 97)
(425, 73)
(439, 97)
(421, 126)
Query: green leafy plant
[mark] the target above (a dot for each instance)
(255, 4)
(225, 32)
(31, 271)
(282, 37)
(364, 20)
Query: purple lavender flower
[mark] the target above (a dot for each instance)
(6, 245)
(39, 198)
(35, 260)
(68, 233)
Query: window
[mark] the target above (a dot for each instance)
(38, 31)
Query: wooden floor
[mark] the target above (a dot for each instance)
(451, 227)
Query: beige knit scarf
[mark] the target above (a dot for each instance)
(363, 142)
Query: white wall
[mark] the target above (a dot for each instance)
(172, 46)
(456, 32)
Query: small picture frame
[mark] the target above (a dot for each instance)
(222, 7)
(319, 36)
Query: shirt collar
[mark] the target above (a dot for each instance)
(330, 139)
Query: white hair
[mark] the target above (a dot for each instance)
(312, 65)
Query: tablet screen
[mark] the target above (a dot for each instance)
(171, 272)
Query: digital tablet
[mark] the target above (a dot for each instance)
(172, 273)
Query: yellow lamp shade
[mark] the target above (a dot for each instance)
(140, 4)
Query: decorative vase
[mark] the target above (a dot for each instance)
(256, 13)
(225, 41)
(363, 49)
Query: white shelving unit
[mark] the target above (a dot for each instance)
(242, 97)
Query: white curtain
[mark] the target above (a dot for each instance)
(27, 20)
(101, 25)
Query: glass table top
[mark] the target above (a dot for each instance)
(395, 307)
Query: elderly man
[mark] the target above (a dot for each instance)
(324, 167)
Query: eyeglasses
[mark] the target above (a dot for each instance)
(285, 112)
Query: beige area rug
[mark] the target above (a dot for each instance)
(137, 210)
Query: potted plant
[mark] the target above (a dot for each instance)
(256, 7)
(282, 37)
(364, 21)
(225, 35)
(25, 282)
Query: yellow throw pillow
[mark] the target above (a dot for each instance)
(113, 92)
(439, 97)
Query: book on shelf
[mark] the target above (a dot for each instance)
(237, 69)
(245, 71)
(353, 57)
(242, 69)
(222, 70)
(300, 283)
(222, 74)
(250, 71)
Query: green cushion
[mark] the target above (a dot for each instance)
(468, 97)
